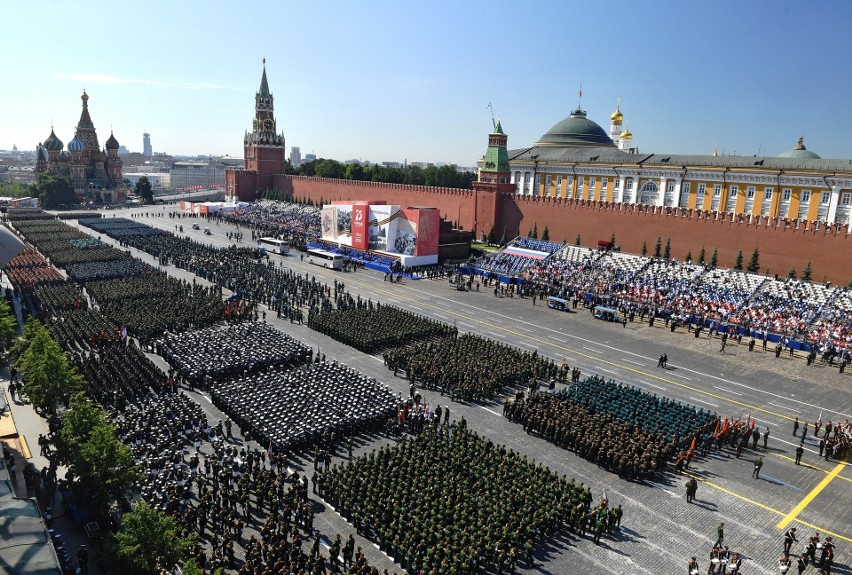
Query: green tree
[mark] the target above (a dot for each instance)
(738, 263)
(503, 237)
(354, 172)
(658, 248)
(100, 467)
(48, 377)
(144, 190)
(14, 190)
(644, 248)
(754, 262)
(307, 168)
(791, 274)
(8, 324)
(577, 241)
(545, 235)
(529, 233)
(328, 169)
(688, 256)
(612, 239)
(667, 252)
(702, 256)
(414, 175)
(535, 231)
(492, 237)
(714, 259)
(807, 272)
(53, 191)
(149, 542)
(192, 568)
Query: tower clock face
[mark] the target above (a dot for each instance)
(268, 124)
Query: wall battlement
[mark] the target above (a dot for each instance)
(782, 244)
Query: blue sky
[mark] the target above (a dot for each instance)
(388, 80)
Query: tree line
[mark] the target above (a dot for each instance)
(446, 176)
(100, 468)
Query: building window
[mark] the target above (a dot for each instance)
(846, 199)
(569, 185)
(604, 182)
(767, 194)
(717, 190)
(537, 184)
(558, 182)
(547, 185)
(806, 196)
(686, 187)
(616, 184)
(825, 198)
(786, 195)
(750, 192)
(701, 189)
(671, 187)
(734, 190)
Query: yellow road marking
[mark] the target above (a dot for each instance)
(735, 494)
(752, 408)
(814, 466)
(810, 497)
(770, 509)
(25, 449)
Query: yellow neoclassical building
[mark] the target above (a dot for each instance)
(576, 158)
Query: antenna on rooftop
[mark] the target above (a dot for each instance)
(493, 122)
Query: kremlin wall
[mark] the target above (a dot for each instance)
(578, 179)
(781, 246)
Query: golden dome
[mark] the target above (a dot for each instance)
(626, 135)
(617, 116)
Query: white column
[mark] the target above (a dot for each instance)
(620, 189)
(661, 194)
(677, 193)
(832, 204)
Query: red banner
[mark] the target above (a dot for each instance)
(360, 215)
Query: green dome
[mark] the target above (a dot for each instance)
(807, 154)
(52, 143)
(800, 152)
(112, 143)
(576, 130)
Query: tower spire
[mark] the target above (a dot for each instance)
(264, 85)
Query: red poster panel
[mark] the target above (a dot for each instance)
(428, 230)
(360, 215)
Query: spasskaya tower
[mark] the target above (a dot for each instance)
(263, 150)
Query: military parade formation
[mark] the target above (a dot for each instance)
(433, 495)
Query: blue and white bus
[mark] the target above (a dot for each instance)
(325, 259)
(280, 247)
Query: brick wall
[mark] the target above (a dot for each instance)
(781, 246)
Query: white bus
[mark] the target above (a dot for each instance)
(274, 246)
(325, 259)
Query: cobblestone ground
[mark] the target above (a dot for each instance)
(660, 531)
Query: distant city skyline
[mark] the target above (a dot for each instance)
(377, 82)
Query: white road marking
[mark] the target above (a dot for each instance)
(607, 370)
(652, 385)
(773, 479)
(683, 376)
(631, 361)
(788, 407)
(655, 486)
(726, 390)
(490, 411)
(704, 402)
(440, 316)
